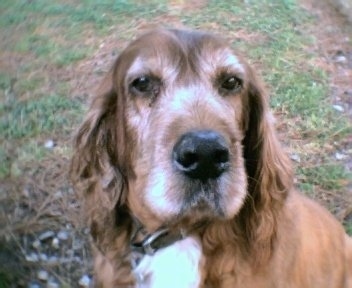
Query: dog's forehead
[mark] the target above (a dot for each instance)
(171, 52)
(224, 58)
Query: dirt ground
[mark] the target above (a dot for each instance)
(43, 240)
(334, 34)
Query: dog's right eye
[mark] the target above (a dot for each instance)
(146, 86)
(143, 84)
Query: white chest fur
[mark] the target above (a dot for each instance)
(177, 265)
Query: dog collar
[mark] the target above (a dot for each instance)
(151, 243)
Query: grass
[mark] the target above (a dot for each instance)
(30, 118)
(29, 123)
(55, 46)
(329, 176)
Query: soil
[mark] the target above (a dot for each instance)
(41, 234)
(334, 46)
(334, 36)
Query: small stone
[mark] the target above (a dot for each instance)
(36, 244)
(63, 235)
(26, 192)
(52, 284)
(340, 59)
(340, 156)
(84, 281)
(33, 257)
(295, 157)
(338, 108)
(46, 235)
(43, 275)
(68, 226)
(49, 144)
(55, 243)
(33, 285)
(58, 195)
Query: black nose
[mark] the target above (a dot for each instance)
(201, 154)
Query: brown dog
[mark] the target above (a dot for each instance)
(184, 181)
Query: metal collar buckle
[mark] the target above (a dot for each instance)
(155, 241)
(148, 241)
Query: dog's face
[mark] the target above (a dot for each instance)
(184, 100)
(180, 136)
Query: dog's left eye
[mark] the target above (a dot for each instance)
(231, 83)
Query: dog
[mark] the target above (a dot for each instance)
(184, 182)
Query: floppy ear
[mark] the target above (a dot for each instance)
(268, 169)
(97, 171)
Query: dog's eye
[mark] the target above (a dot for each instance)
(231, 83)
(143, 84)
(146, 86)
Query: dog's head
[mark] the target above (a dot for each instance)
(181, 130)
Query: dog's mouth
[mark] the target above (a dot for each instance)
(202, 198)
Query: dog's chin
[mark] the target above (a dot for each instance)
(202, 200)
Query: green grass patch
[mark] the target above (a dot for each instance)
(71, 13)
(348, 227)
(37, 44)
(25, 125)
(50, 114)
(28, 152)
(70, 56)
(47, 49)
(327, 176)
(4, 80)
(297, 92)
(5, 163)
